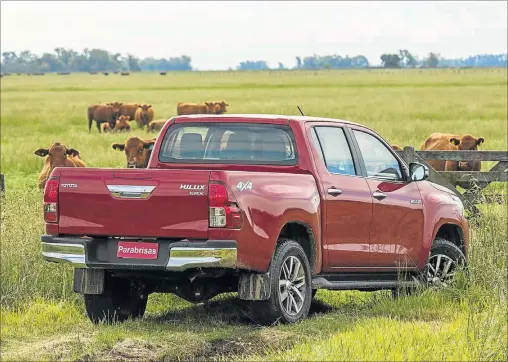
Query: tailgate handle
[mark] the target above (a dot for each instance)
(130, 191)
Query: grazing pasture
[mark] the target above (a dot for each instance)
(43, 319)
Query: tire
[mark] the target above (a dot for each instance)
(119, 302)
(444, 260)
(286, 310)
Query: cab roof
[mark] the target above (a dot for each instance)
(264, 117)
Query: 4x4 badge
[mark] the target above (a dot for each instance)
(242, 186)
(416, 201)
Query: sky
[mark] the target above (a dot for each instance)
(221, 34)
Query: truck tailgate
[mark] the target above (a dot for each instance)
(134, 202)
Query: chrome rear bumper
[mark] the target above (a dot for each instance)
(181, 258)
(64, 253)
(173, 256)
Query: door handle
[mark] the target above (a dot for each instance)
(379, 195)
(334, 192)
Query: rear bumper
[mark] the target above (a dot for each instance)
(84, 252)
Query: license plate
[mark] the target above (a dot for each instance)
(137, 250)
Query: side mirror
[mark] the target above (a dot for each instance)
(418, 172)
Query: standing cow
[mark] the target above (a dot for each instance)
(103, 113)
(196, 108)
(144, 115)
(129, 109)
(58, 156)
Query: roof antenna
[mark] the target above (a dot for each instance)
(300, 110)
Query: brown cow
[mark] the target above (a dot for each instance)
(450, 142)
(396, 148)
(222, 106)
(137, 151)
(156, 125)
(129, 109)
(194, 108)
(106, 127)
(103, 113)
(59, 156)
(144, 115)
(122, 124)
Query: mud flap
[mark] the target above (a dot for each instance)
(252, 286)
(89, 281)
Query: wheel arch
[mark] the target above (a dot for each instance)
(303, 234)
(453, 233)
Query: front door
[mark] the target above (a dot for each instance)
(396, 234)
(348, 200)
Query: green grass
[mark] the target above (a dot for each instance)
(42, 319)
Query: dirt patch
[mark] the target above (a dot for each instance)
(56, 348)
(255, 343)
(132, 349)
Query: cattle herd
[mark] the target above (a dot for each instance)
(115, 117)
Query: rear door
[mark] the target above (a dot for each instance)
(396, 235)
(130, 202)
(347, 197)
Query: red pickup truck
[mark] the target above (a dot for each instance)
(271, 207)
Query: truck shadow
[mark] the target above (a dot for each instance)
(229, 310)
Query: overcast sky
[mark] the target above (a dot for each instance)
(218, 35)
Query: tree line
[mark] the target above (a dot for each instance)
(402, 59)
(89, 60)
(99, 60)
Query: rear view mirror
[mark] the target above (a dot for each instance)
(418, 172)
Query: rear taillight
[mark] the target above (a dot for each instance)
(51, 200)
(223, 211)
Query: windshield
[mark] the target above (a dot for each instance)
(239, 143)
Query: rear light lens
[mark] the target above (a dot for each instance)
(223, 211)
(51, 200)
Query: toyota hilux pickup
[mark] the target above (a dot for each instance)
(270, 207)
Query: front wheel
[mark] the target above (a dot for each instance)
(444, 261)
(290, 283)
(119, 301)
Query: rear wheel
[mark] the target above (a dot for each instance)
(120, 301)
(290, 283)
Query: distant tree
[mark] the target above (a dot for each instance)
(281, 66)
(432, 61)
(298, 62)
(332, 62)
(253, 65)
(390, 60)
(407, 59)
(132, 63)
(51, 63)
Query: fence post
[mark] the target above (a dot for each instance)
(408, 154)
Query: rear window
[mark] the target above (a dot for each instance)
(229, 143)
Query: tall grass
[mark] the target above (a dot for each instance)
(43, 318)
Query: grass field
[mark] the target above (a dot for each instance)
(41, 318)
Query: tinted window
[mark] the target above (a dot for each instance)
(335, 150)
(378, 160)
(228, 143)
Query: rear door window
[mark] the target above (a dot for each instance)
(239, 143)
